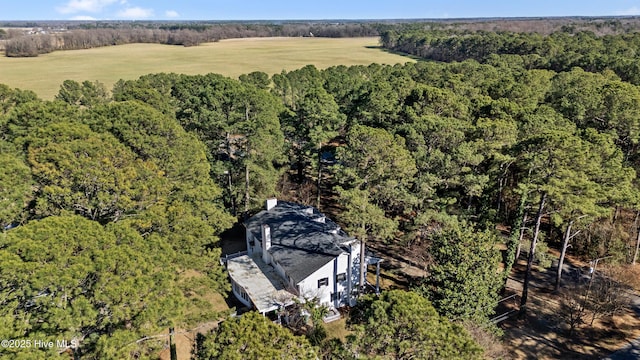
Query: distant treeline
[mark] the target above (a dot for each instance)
(444, 39)
(562, 50)
(90, 36)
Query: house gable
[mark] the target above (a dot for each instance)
(332, 283)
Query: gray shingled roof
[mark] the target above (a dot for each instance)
(300, 244)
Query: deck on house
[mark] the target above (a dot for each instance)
(261, 282)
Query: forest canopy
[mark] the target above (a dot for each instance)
(112, 202)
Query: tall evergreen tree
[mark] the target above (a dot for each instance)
(377, 161)
(404, 325)
(463, 282)
(252, 336)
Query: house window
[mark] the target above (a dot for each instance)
(341, 277)
(323, 282)
(337, 296)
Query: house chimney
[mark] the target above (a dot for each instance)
(266, 242)
(271, 203)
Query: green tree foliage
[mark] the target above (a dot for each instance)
(346, 85)
(364, 220)
(153, 89)
(252, 336)
(605, 184)
(559, 51)
(313, 118)
(141, 185)
(258, 78)
(181, 200)
(563, 171)
(15, 185)
(576, 95)
(66, 277)
(86, 94)
(239, 124)
(404, 325)
(91, 174)
(10, 98)
(377, 161)
(602, 102)
(448, 164)
(428, 100)
(291, 86)
(26, 117)
(380, 99)
(463, 280)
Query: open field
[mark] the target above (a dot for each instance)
(233, 57)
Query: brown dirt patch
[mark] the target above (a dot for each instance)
(184, 340)
(541, 333)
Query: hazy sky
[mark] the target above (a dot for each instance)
(300, 9)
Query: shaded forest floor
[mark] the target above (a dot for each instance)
(542, 333)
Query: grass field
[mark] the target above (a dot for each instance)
(233, 57)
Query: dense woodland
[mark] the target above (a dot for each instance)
(83, 35)
(112, 202)
(28, 39)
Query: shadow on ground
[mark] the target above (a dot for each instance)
(542, 332)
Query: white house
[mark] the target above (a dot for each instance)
(294, 250)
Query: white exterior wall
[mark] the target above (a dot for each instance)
(257, 249)
(339, 266)
(309, 286)
(281, 272)
(240, 294)
(355, 271)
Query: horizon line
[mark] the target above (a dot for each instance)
(332, 19)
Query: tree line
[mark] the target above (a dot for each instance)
(86, 37)
(429, 154)
(559, 51)
(61, 35)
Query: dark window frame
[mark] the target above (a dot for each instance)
(323, 282)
